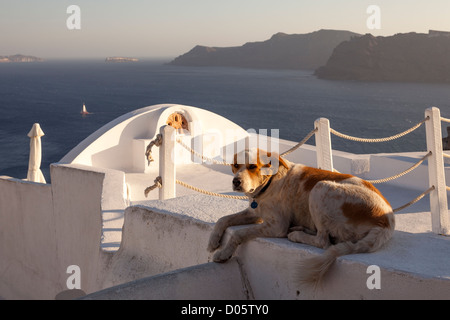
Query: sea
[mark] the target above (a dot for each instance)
(52, 93)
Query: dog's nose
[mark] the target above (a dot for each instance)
(236, 182)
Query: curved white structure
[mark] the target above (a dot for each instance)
(121, 143)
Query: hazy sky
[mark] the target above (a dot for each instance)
(168, 28)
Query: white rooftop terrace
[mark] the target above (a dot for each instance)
(141, 239)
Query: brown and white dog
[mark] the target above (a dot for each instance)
(337, 212)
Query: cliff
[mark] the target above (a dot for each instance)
(19, 58)
(410, 57)
(281, 51)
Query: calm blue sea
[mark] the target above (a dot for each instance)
(52, 93)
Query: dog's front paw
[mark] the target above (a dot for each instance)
(222, 255)
(214, 241)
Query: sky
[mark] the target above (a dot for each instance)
(169, 28)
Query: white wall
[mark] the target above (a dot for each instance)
(412, 266)
(46, 228)
(210, 281)
(28, 240)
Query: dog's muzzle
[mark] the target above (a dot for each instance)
(236, 184)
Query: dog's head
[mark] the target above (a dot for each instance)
(253, 168)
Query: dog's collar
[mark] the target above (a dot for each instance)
(254, 204)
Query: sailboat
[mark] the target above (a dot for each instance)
(84, 110)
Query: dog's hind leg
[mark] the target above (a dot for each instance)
(304, 229)
(320, 240)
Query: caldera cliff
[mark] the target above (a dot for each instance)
(410, 57)
(281, 51)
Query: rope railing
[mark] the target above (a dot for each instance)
(204, 158)
(401, 174)
(298, 145)
(386, 139)
(158, 180)
(445, 119)
(158, 184)
(417, 199)
(223, 162)
(323, 145)
(210, 193)
(158, 140)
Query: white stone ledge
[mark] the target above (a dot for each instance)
(158, 240)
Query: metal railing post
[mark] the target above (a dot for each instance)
(167, 167)
(436, 173)
(323, 144)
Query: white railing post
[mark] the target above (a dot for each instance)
(167, 168)
(436, 173)
(323, 144)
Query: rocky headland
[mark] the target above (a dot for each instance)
(281, 51)
(409, 57)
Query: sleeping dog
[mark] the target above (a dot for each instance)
(337, 212)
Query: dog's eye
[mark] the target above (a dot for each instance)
(252, 166)
(236, 165)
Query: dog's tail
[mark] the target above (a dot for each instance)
(312, 270)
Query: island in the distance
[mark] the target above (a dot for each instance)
(121, 59)
(404, 57)
(19, 58)
(281, 51)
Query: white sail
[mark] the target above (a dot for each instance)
(84, 110)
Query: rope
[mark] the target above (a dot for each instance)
(158, 180)
(401, 173)
(209, 192)
(446, 155)
(298, 145)
(157, 184)
(415, 200)
(221, 162)
(445, 119)
(404, 133)
(157, 142)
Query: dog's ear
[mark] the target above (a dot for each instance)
(273, 158)
(265, 159)
(272, 161)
